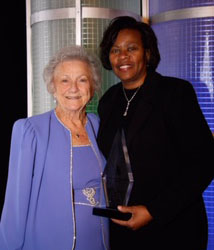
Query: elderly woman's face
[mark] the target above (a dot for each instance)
(73, 85)
(127, 57)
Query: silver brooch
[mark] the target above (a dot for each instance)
(89, 193)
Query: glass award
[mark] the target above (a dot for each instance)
(117, 180)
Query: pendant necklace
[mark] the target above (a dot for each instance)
(77, 135)
(129, 100)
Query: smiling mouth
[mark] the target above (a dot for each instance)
(73, 97)
(124, 67)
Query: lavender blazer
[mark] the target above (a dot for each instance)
(40, 168)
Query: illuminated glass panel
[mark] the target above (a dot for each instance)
(133, 6)
(92, 31)
(157, 6)
(47, 38)
(38, 5)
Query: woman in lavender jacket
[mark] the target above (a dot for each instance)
(55, 167)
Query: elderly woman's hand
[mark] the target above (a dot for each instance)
(140, 217)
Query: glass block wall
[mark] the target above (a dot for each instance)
(92, 30)
(49, 36)
(133, 5)
(38, 5)
(187, 51)
(158, 6)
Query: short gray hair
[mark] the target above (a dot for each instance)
(70, 53)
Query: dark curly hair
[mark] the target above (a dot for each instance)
(149, 40)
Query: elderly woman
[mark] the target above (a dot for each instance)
(55, 166)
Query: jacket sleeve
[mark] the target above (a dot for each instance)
(18, 190)
(192, 163)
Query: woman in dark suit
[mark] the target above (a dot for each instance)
(170, 145)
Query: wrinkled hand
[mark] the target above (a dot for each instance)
(140, 217)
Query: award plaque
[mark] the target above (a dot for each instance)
(117, 180)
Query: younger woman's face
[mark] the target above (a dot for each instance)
(128, 59)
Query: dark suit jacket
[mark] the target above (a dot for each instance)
(171, 149)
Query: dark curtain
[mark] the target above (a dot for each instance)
(13, 78)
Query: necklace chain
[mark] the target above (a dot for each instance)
(129, 100)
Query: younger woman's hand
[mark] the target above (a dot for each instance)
(140, 217)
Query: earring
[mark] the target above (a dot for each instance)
(54, 99)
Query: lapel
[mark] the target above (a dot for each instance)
(91, 128)
(144, 107)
